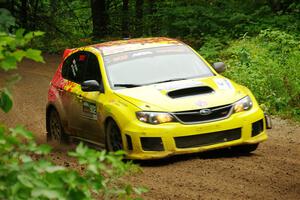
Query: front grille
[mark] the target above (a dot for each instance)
(208, 138)
(257, 127)
(194, 116)
(152, 144)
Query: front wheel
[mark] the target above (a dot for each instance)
(245, 149)
(113, 137)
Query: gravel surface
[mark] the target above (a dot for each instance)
(271, 172)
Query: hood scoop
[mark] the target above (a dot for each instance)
(191, 91)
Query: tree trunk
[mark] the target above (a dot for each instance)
(100, 18)
(5, 4)
(152, 26)
(53, 8)
(125, 24)
(277, 5)
(139, 18)
(12, 7)
(34, 20)
(23, 13)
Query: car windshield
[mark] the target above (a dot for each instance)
(154, 65)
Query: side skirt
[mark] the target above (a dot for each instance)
(92, 144)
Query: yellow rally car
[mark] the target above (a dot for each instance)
(151, 97)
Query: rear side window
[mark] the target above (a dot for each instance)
(74, 66)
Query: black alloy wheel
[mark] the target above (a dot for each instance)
(113, 137)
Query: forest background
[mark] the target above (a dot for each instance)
(257, 39)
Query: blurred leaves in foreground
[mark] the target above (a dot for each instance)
(26, 170)
(27, 173)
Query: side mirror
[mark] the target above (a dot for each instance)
(91, 86)
(219, 67)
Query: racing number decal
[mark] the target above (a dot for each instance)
(74, 67)
(90, 110)
(89, 107)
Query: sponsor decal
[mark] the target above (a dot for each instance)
(109, 50)
(114, 47)
(74, 67)
(201, 103)
(223, 84)
(141, 54)
(90, 110)
(82, 57)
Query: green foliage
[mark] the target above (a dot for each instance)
(12, 51)
(25, 169)
(69, 24)
(269, 65)
(5, 100)
(6, 20)
(192, 21)
(26, 173)
(212, 48)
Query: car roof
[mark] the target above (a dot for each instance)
(114, 47)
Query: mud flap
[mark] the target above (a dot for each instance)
(268, 122)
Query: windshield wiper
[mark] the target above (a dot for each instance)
(126, 85)
(169, 80)
(129, 85)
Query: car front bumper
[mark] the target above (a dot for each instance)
(146, 141)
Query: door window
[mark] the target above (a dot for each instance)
(92, 71)
(73, 67)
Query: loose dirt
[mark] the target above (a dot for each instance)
(271, 172)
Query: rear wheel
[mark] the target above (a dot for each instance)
(245, 149)
(113, 137)
(55, 129)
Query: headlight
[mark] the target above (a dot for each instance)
(243, 105)
(155, 117)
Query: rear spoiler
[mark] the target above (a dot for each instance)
(66, 53)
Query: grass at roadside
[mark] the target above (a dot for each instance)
(268, 64)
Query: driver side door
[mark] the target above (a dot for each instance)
(91, 106)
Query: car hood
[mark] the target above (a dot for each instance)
(184, 95)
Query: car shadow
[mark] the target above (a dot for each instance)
(214, 154)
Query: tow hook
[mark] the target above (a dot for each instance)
(268, 122)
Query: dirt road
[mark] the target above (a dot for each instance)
(272, 172)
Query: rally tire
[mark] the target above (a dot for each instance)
(55, 128)
(113, 137)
